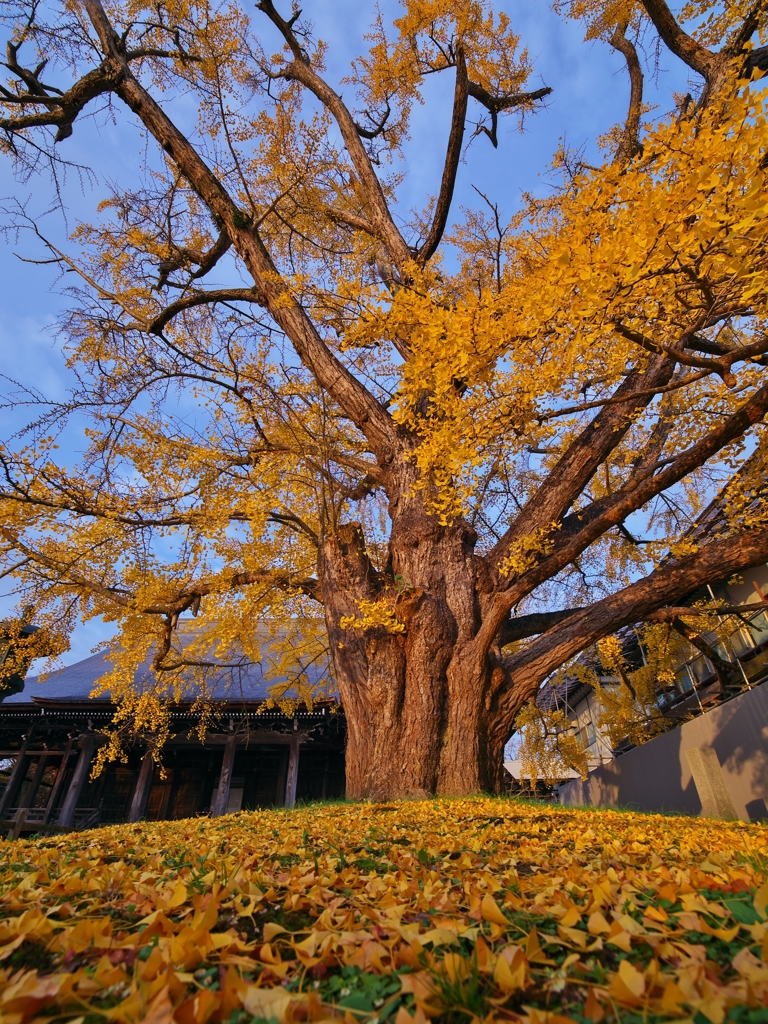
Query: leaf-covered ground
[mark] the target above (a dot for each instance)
(450, 910)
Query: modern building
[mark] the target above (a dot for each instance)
(700, 686)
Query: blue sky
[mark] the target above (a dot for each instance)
(590, 93)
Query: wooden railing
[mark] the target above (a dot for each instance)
(30, 819)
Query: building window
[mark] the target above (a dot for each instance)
(587, 735)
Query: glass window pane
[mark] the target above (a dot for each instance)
(758, 627)
(701, 669)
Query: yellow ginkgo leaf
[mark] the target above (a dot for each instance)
(491, 911)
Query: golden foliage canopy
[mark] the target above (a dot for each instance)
(296, 396)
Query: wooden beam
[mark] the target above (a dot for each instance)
(34, 785)
(252, 739)
(31, 826)
(19, 823)
(79, 780)
(32, 753)
(60, 776)
(143, 788)
(225, 779)
(293, 771)
(17, 776)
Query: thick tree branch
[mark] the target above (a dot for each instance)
(452, 158)
(352, 220)
(496, 104)
(205, 261)
(630, 142)
(522, 627)
(721, 365)
(62, 109)
(713, 67)
(697, 57)
(698, 343)
(574, 470)
(757, 60)
(362, 408)
(528, 668)
(301, 70)
(203, 299)
(608, 512)
(296, 523)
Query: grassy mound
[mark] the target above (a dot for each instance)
(450, 910)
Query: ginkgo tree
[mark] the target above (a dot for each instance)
(442, 455)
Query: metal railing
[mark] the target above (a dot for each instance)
(747, 647)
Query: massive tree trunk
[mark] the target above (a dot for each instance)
(397, 683)
(429, 702)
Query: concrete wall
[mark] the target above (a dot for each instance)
(657, 776)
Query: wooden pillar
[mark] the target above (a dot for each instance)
(21, 820)
(225, 779)
(79, 780)
(282, 772)
(29, 798)
(61, 774)
(17, 776)
(140, 798)
(293, 772)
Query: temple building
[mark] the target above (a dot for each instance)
(252, 756)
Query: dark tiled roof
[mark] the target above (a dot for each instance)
(712, 522)
(244, 682)
(567, 692)
(74, 682)
(562, 696)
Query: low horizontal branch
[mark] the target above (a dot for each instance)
(524, 626)
(202, 299)
(673, 612)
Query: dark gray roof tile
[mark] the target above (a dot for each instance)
(243, 682)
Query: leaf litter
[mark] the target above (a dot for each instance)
(481, 909)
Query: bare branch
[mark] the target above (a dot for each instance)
(202, 299)
(496, 104)
(599, 403)
(671, 612)
(301, 70)
(721, 365)
(452, 157)
(630, 143)
(67, 575)
(362, 408)
(378, 126)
